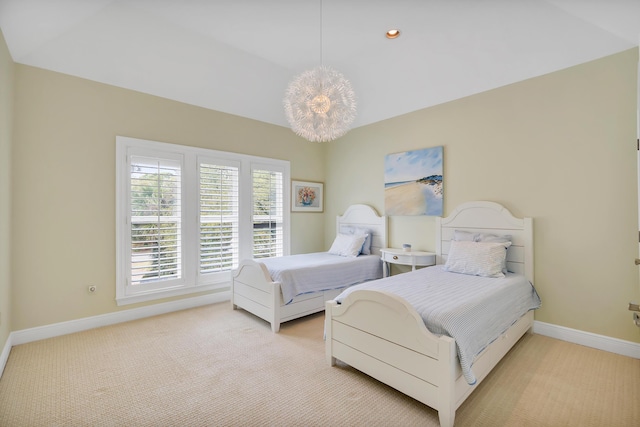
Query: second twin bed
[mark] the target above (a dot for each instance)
(433, 333)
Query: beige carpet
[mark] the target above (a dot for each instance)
(212, 366)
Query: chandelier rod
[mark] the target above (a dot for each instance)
(320, 104)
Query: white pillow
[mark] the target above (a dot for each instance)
(477, 258)
(366, 247)
(464, 236)
(483, 237)
(461, 235)
(348, 245)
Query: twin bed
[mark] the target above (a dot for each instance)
(286, 288)
(380, 328)
(483, 304)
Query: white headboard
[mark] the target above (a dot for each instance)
(365, 216)
(493, 218)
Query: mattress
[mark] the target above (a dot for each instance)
(473, 310)
(320, 271)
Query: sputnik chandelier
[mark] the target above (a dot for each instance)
(320, 104)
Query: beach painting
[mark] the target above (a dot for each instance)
(413, 182)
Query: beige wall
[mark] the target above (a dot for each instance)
(6, 120)
(64, 183)
(560, 148)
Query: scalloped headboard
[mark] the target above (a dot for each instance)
(365, 216)
(493, 218)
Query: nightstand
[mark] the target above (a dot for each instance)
(412, 258)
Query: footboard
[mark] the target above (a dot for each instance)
(381, 335)
(253, 290)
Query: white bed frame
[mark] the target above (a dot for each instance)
(382, 335)
(253, 289)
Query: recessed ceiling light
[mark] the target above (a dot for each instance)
(393, 34)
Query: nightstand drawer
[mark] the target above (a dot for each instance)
(397, 258)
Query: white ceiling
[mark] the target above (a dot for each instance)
(237, 56)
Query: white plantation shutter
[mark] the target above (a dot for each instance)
(186, 216)
(218, 217)
(155, 218)
(268, 213)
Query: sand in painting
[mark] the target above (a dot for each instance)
(406, 199)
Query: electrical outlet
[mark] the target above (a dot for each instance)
(636, 319)
(92, 289)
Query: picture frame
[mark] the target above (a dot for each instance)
(307, 196)
(413, 182)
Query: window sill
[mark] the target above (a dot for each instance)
(168, 293)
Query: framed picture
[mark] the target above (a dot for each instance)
(413, 182)
(307, 196)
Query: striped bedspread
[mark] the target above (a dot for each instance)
(320, 271)
(472, 310)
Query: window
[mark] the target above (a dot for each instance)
(186, 216)
(156, 220)
(268, 213)
(218, 217)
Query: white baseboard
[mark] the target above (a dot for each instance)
(601, 342)
(57, 329)
(4, 356)
(63, 328)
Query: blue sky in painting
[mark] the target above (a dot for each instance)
(412, 165)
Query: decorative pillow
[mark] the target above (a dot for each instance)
(477, 258)
(467, 236)
(366, 246)
(348, 245)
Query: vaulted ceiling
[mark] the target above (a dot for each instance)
(238, 56)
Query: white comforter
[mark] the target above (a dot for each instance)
(472, 310)
(320, 271)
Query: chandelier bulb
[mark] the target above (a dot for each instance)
(321, 104)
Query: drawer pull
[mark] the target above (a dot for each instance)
(395, 257)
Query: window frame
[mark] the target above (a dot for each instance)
(191, 280)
